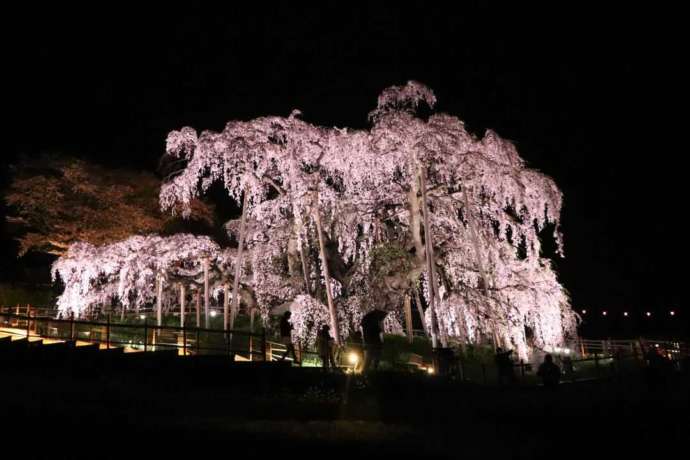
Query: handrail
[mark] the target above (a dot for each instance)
(188, 334)
(125, 325)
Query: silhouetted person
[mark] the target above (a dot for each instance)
(504, 365)
(286, 336)
(658, 368)
(550, 373)
(372, 333)
(568, 369)
(325, 340)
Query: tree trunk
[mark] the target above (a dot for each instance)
(480, 260)
(430, 264)
(305, 269)
(420, 310)
(408, 318)
(238, 261)
(415, 224)
(420, 251)
(335, 332)
(295, 252)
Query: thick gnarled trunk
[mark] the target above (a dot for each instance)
(238, 261)
(431, 266)
(327, 279)
(423, 249)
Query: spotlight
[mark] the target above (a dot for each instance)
(649, 314)
(353, 358)
(213, 313)
(625, 313)
(672, 313)
(604, 313)
(584, 312)
(142, 317)
(429, 370)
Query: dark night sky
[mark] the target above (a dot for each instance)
(588, 96)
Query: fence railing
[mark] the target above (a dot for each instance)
(242, 345)
(38, 323)
(672, 349)
(584, 359)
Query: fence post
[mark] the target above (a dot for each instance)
(107, 333)
(146, 334)
(28, 321)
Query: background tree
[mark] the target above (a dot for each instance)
(55, 201)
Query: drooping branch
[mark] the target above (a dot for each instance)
(453, 226)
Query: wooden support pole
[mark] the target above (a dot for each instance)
(182, 300)
(71, 325)
(107, 333)
(146, 334)
(159, 301)
(197, 298)
(207, 319)
(226, 306)
(263, 344)
(184, 341)
(251, 337)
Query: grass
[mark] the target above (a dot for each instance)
(302, 412)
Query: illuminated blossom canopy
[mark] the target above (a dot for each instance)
(486, 210)
(127, 271)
